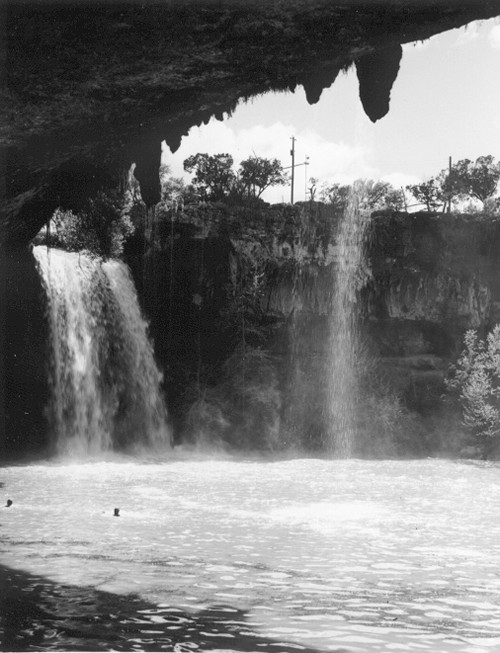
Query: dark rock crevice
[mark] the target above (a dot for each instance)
(23, 358)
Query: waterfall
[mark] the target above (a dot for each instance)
(344, 349)
(104, 383)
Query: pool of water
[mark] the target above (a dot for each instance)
(327, 555)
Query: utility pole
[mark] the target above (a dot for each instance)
(295, 165)
(306, 163)
(449, 182)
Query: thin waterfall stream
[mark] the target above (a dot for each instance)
(350, 275)
(104, 383)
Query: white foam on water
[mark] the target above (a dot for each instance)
(327, 516)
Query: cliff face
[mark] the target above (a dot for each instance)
(426, 278)
(215, 277)
(240, 302)
(90, 87)
(434, 277)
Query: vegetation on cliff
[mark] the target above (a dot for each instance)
(474, 382)
(214, 178)
(464, 183)
(101, 227)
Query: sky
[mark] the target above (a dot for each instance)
(444, 102)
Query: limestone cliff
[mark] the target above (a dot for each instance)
(224, 284)
(426, 278)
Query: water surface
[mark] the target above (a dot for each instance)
(333, 555)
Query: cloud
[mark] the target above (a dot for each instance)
(328, 161)
(400, 180)
(494, 36)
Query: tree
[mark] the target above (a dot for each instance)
(454, 181)
(379, 195)
(257, 173)
(464, 179)
(475, 382)
(336, 195)
(312, 188)
(382, 195)
(164, 173)
(101, 227)
(176, 193)
(428, 192)
(484, 176)
(478, 179)
(395, 199)
(492, 206)
(213, 175)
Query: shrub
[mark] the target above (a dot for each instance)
(101, 228)
(384, 425)
(474, 381)
(251, 389)
(206, 423)
(243, 410)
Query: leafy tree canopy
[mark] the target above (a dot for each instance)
(336, 195)
(215, 180)
(483, 176)
(477, 178)
(429, 193)
(101, 228)
(475, 382)
(382, 195)
(213, 174)
(379, 195)
(464, 179)
(257, 173)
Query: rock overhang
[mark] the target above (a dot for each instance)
(91, 87)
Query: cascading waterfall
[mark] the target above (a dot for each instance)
(351, 274)
(105, 386)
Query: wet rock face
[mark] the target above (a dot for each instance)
(439, 298)
(433, 268)
(433, 277)
(94, 87)
(427, 278)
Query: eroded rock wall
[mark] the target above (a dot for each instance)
(433, 277)
(215, 280)
(426, 279)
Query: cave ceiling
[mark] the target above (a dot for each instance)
(91, 87)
